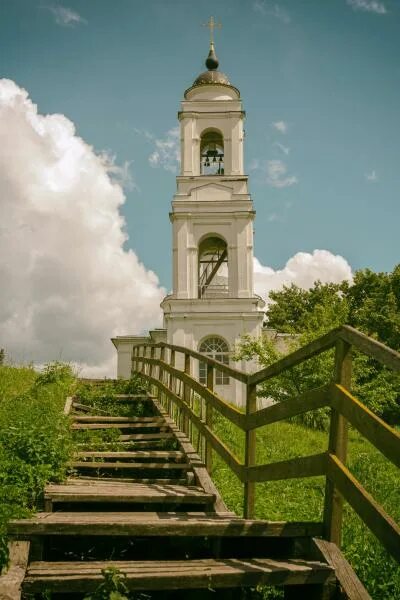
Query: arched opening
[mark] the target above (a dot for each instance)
(212, 153)
(213, 268)
(215, 347)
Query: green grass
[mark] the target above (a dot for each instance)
(302, 499)
(35, 440)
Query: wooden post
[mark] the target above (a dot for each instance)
(186, 395)
(250, 454)
(209, 417)
(338, 435)
(152, 355)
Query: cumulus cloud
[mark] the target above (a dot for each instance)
(280, 126)
(374, 6)
(64, 16)
(167, 152)
(372, 176)
(302, 269)
(67, 284)
(271, 9)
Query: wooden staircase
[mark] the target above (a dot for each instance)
(152, 512)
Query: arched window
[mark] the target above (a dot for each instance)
(212, 153)
(216, 348)
(213, 268)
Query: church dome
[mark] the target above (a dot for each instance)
(212, 76)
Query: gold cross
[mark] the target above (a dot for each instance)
(212, 24)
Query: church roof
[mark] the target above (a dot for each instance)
(212, 76)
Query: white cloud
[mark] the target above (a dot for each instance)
(372, 176)
(65, 16)
(67, 284)
(282, 148)
(302, 269)
(271, 9)
(167, 152)
(276, 174)
(280, 126)
(374, 6)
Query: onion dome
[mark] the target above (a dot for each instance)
(212, 75)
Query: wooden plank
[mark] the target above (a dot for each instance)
(380, 352)
(140, 493)
(68, 405)
(152, 524)
(309, 400)
(76, 426)
(140, 437)
(228, 411)
(223, 451)
(203, 479)
(209, 418)
(382, 436)
(130, 465)
(167, 575)
(346, 577)
(107, 419)
(235, 373)
(314, 348)
(373, 515)
(87, 408)
(338, 438)
(135, 454)
(132, 397)
(294, 468)
(12, 577)
(250, 454)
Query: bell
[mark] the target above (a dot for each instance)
(214, 160)
(220, 159)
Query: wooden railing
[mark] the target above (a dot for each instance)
(192, 404)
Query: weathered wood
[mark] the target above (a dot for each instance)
(338, 437)
(179, 524)
(187, 574)
(108, 419)
(144, 437)
(87, 408)
(314, 348)
(134, 454)
(119, 425)
(380, 434)
(228, 411)
(12, 577)
(223, 451)
(309, 400)
(294, 468)
(68, 405)
(351, 586)
(146, 466)
(373, 515)
(132, 493)
(209, 418)
(250, 454)
(380, 352)
(202, 477)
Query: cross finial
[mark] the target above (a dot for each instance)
(212, 24)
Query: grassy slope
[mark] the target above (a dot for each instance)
(35, 440)
(302, 499)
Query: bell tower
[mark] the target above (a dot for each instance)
(212, 302)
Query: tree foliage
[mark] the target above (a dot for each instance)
(371, 304)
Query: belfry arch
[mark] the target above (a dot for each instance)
(212, 153)
(213, 273)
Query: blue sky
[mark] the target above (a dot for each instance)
(320, 82)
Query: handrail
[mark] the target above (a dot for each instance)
(176, 387)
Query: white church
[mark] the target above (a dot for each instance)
(212, 303)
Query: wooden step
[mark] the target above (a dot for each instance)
(131, 493)
(122, 480)
(108, 419)
(189, 574)
(158, 455)
(87, 408)
(121, 425)
(156, 524)
(138, 437)
(163, 466)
